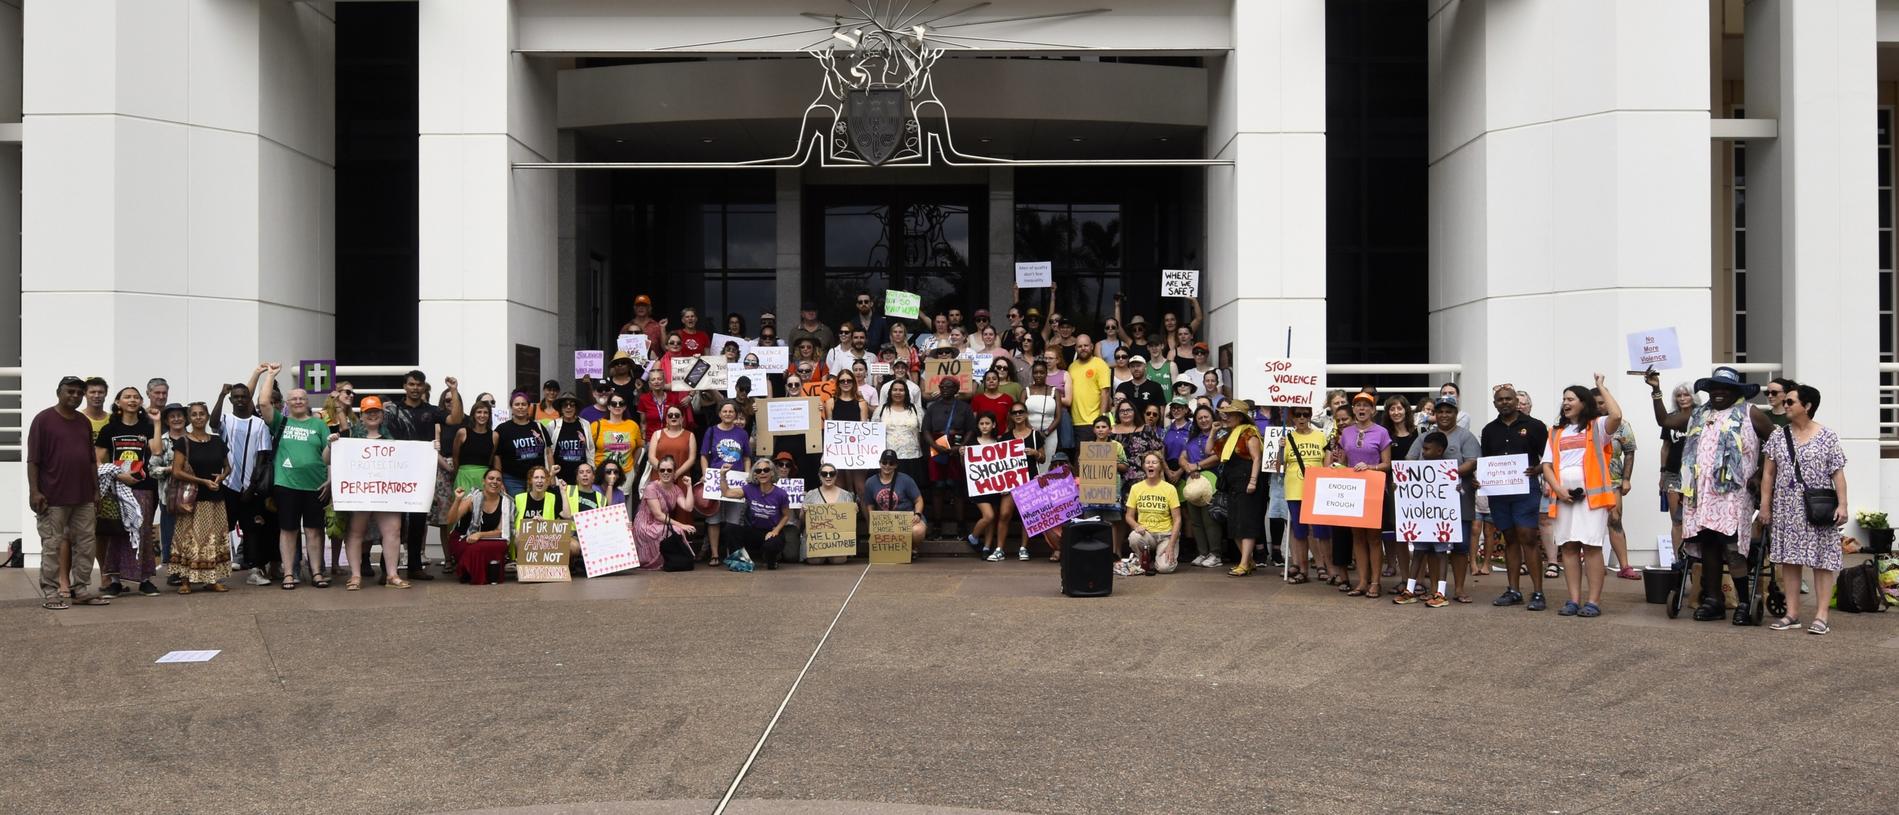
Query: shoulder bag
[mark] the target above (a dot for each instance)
(1821, 503)
(264, 466)
(180, 498)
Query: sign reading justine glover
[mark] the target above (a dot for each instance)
(382, 476)
(993, 468)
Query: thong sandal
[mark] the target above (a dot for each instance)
(1296, 578)
(1462, 598)
(1355, 592)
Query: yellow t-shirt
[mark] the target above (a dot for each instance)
(1310, 447)
(1154, 506)
(618, 441)
(1085, 381)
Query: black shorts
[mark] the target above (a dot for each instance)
(297, 509)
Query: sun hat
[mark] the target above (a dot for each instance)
(1725, 377)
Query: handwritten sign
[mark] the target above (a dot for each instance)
(1180, 282)
(1272, 448)
(774, 358)
(1100, 484)
(794, 491)
(1503, 475)
(1048, 502)
(382, 476)
(979, 364)
(901, 304)
(606, 540)
(1335, 496)
(590, 363)
(1038, 274)
(1426, 504)
(1659, 349)
(754, 377)
(706, 373)
(890, 537)
(709, 486)
(937, 370)
(764, 439)
(853, 445)
(791, 416)
(994, 468)
(1293, 382)
(830, 530)
(634, 344)
(719, 341)
(879, 369)
(542, 544)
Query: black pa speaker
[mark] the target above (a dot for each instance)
(1087, 559)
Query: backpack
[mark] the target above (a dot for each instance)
(1858, 589)
(675, 554)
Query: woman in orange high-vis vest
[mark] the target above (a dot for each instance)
(1576, 474)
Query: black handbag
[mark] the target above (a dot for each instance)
(1821, 503)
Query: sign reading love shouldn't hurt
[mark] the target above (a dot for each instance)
(994, 468)
(1427, 506)
(1293, 382)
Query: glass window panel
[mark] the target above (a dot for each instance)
(1041, 233)
(1740, 335)
(1885, 209)
(1885, 249)
(1740, 250)
(1885, 170)
(935, 236)
(1740, 208)
(1885, 333)
(1885, 291)
(1096, 237)
(1087, 299)
(751, 240)
(855, 236)
(1740, 297)
(1740, 165)
(711, 239)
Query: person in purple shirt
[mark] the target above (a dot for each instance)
(766, 510)
(726, 446)
(61, 487)
(1175, 432)
(1364, 445)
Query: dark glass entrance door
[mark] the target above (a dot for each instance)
(931, 241)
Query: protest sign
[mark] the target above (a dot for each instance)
(1100, 483)
(1503, 475)
(979, 365)
(794, 490)
(994, 468)
(709, 486)
(316, 375)
(382, 475)
(705, 373)
(830, 530)
(879, 369)
(754, 377)
(606, 540)
(936, 370)
(590, 363)
(1426, 505)
(901, 304)
(1180, 283)
(1272, 448)
(775, 358)
(1659, 349)
(853, 445)
(717, 348)
(1336, 496)
(890, 537)
(634, 344)
(1293, 382)
(763, 437)
(542, 544)
(1047, 502)
(1039, 274)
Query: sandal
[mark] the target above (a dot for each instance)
(319, 582)
(1240, 570)
(57, 602)
(217, 587)
(1462, 598)
(354, 584)
(1355, 592)
(1552, 571)
(397, 583)
(1784, 624)
(1819, 627)
(1371, 595)
(185, 587)
(92, 600)
(1296, 578)
(290, 582)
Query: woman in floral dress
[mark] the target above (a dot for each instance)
(1816, 462)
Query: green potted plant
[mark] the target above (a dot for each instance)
(1878, 531)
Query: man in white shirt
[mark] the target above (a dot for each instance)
(841, 357)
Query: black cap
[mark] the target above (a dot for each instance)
(550, 385)
(172, 408)
(889, 457)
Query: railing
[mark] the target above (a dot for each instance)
(374, 374)
(12, 421)
(1430, 370)
(1888, 407)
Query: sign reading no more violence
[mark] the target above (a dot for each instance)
(1426, 504)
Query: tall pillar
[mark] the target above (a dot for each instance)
(178, 201)
(788, 192)
(487, 233)
(1001, 245)
(1265, 266)
(1568, 199)
(1813, 301)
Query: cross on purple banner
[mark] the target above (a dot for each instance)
(316, 375)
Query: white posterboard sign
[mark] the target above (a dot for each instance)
(901, 304)
(707, 373)
(794, 490)
(1293, 382)
(979, 365)
(606, 540)
(1426, 506)
(1038, 274)
(709, 486)
(1339, 496)
(382, 476)
(879, 369)
(774, 358)
(734, 371)
(853, 445)
(719, 341)
(995, 468)
(1180, 282)
(1503, 475)
(1272, 448)
(590, 363)
(788, 417)
(634, 344)
(1659, 349)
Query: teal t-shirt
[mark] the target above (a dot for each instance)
(300, 454)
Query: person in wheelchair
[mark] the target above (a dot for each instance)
(1720, 457)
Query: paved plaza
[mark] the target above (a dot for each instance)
(950, 685)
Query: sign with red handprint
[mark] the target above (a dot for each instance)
(1425, 497)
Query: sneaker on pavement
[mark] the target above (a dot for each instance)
(1536, 602)
(146, 588)
(972, 541)
(1405, 598)
(257, 578)
(1022, 554)
(993, 555)
(1200, 561)
(1510, 597)
(1214, 562)
(1436, 600)
(112, 590)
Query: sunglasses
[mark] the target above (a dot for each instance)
(1786, 403)
(616, 403)
(863, 302)
(827, 473)
(761, 470)
(347, 392)
(665, 471)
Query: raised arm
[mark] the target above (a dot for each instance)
(1199, 315)
(1677, 420)
(455, 413)
(261, 394)
(1611, 410)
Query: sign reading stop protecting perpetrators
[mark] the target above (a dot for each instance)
(377, 475)
(1293, 382)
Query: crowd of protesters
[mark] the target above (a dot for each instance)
(202, 492)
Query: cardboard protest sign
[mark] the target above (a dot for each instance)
(1180, 283)
(606, 540)
(890, 537)
(590, 363)
(794, 490)
(1038, 274)
(1293, 382)
(542, 545)
(1095, 470)
(706, 373)
(819, 388)
(780, 413)
(1426, 505)
(1336, 496)
(901, 304)
(994, 468)
(1048, 501)
(830, 530)
(1272, 448)
(709, 486)
(853, 445)
(634, 344)
(936, 370)
(1659, 349)
(1503, 475)
(382, 475)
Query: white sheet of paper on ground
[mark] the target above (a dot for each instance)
(1665, 551)
(187, 656)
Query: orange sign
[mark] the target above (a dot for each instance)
(1339, 496)
(822, 388)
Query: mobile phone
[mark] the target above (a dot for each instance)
(697, 373)
(1576, 494)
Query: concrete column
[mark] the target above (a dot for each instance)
(1569, 183)
(1812, 283)
(789, 194)
(1265, 266)
(1001, 245)
(487, 233)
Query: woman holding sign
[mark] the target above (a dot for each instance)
(726, 446)
(764, 511)
(828, 492)
(987, 533)
(1240, 455)
(389, 524)
(667, 492)
(1364, 445)
(846, 405)
(1576, 472)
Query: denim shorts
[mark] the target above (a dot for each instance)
(1509, 512)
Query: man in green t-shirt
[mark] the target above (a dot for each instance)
(302, 471)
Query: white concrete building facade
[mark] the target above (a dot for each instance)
(179, 174)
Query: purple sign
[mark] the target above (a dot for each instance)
(1048, 501)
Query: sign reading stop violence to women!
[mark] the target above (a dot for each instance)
(377, 475)
(993, 468)
(1293, 382)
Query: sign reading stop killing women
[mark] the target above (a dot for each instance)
(376, 475)
(994, 468)
(1427, 506)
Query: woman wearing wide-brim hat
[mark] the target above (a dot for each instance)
(1718, 458)
(1239, 480)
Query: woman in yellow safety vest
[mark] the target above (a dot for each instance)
(1576, 475)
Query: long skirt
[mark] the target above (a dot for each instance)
(200, 548)
(120, 558)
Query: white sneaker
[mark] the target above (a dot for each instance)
(1200, 561)
(1022, 554)
(1213, 562)
(257, 578)
(995, 555)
